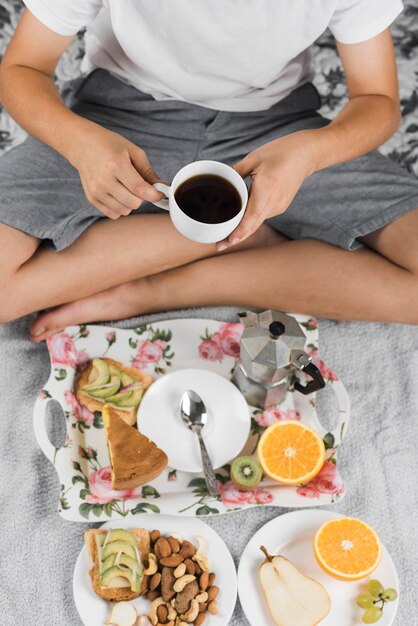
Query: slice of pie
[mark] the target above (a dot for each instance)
(134, 459)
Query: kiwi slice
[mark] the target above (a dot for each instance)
(246, 473)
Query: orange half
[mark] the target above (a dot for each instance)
(347, 548)
(290, 452)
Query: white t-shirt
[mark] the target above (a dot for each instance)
(231, 55)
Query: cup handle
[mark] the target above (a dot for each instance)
(165, 189)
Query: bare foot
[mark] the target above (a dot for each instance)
(117, 303)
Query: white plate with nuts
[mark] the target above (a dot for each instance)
(212, 556)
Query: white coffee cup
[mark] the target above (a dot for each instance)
(190, 228)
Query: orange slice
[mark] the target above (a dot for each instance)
(291, 452)
(347, 548)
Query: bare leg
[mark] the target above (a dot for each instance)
(305, 276)
(109, 253)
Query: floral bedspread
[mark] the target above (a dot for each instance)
(402, 147)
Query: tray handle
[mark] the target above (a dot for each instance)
(39, 426)
(343, 403)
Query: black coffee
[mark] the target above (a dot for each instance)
(208, 198)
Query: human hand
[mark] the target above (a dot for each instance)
(115, 173)
(278, 170)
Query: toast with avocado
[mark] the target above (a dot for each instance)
(118, 558)
(107, 381)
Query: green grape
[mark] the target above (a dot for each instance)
(375, 588)
(365, 601)
(373, 615)
(390, 595)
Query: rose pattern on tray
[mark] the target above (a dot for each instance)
(154, 350)
(226, 341)
(327, 481)
(63, 351)
(83, 418)
(97, 491)
(86, 490)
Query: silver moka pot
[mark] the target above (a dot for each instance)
(272, 349)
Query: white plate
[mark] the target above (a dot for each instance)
(292, 535)
(94, 611)
(225, 433)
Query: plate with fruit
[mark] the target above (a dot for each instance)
(317, 567)
(151, 570)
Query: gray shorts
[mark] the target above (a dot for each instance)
(41, 193)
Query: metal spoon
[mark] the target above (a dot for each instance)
(193, 413)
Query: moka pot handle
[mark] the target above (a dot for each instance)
(315, 384)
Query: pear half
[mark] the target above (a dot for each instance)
(293, 598)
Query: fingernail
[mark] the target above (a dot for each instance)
(221, 247)
(235, 241)
(39, 331)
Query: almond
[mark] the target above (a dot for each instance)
(212, 592)
(162, 613)
(203, 607)
(152, 595)
(190, 566)
(187, 550)
(212, 578)
(154, 535)
(200, 619)
(155, 581)
(172, 561)
(162, 548)
(174, 544)
(204, 581)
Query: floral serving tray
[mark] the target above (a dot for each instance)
(82, 463)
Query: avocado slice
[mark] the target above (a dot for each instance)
(118, 546)
(119, 534)
(126, 379)
(114, 370)
(133, 400)
(114, 572)
(125, 560)
(105, 392)
(121, 395)
(99, 375)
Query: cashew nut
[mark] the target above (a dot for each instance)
(180, 583)
(172, 613)
(152, 565)
(180, 570)
(213, 607)
(202, 561)
(193, 611)
(153, 610)
(202, 544)
(202, 597)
